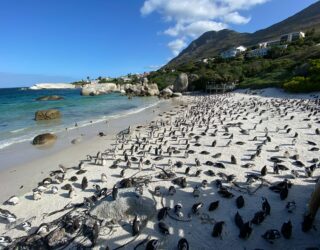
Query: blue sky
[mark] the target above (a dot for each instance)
(66, 40)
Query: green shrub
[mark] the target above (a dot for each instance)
(301, 84)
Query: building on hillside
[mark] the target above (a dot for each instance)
(231, 53)
(291, 37)
(260, 52)
(207, 60)
(269, 44)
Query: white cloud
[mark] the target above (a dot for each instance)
(191, 18)
(194, 29)
(236, 18)
(177, 45)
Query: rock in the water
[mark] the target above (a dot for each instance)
(49, 114)
(44, 139)
(50, 98)
(181, 83)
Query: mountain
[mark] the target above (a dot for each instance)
(211, 43)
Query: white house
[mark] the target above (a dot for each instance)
(269, 44)
(231, 53)
(291, 37)
(261, 52)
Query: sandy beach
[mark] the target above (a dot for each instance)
(218, 143)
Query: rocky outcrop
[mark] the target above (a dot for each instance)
(50, 98)
(152, 89)
(176, 94)
(52, 86)
(166, 93)
(49, 114)
(98, 89)
(128, 89)
(181, 83)
(44, 139)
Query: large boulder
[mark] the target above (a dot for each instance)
(50, 98)
(152, 89)
(99, 89)
(49, 114)
(181, 83)
(166, 93)
(193, 77)
(176, 94)
(141, 90)
(44, 139)
(145, 81)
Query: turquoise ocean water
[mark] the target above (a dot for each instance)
(18, 107)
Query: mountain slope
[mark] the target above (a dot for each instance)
(212, 43)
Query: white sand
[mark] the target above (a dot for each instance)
(197, 232)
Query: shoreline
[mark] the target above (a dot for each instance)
(24, 164)
(85, 131)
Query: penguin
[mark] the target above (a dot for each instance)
(73, 178)
(5, 214)
(186, 172)
(286, 229)
(238, 220)
(26, 226)
(217, 229)
(196, 191)
(271, 234)
(13, 200)
(266, 208)
(284, 192)
(54, 189)
(164, 228)
(163, 212)
(245, 231)
(196, 207)
(153, 245)
(71, 193)
(84, 183)
(37, 195)
(172, 190)
(103, 177)
(258, 218)
(213, 205)
(263, 171)
(5, 241)
(183, 244)
(115, 192)
(177, 210)
(307, 223)
(240, 202)
(43, 229)
(233, 160)
(198, 164)
(136, 226)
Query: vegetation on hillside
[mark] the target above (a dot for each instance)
(295, 68)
